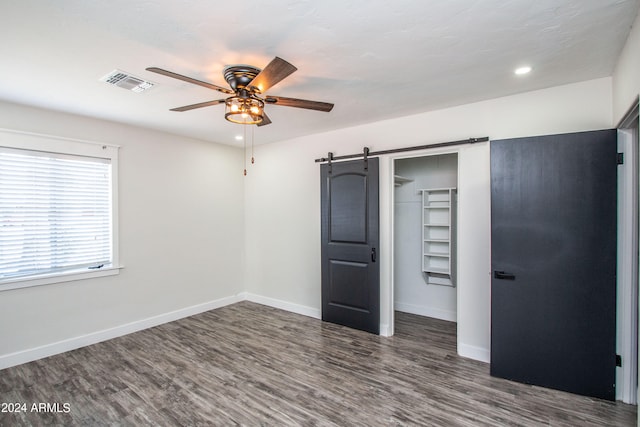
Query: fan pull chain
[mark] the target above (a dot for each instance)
(244, 140)
(252, 159)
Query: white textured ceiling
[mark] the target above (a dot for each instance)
(375, 59)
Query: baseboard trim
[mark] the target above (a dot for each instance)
(24, 356)
(420, 310)
(284, 305)
(475, 353)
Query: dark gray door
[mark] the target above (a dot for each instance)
(350, 228)
(553, 256)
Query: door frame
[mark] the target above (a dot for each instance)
(628, 262)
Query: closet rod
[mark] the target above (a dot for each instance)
(401, 150)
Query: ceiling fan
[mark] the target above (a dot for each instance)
(248, 85)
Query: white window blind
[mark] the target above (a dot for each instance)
(55, 213)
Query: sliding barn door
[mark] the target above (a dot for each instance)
(553, 256)
(350, 229)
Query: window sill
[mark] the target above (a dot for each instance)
(70, 276)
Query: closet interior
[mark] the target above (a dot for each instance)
(425, 230)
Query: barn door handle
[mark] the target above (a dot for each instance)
(373, 254)
(503, 275)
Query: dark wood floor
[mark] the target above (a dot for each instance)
(248, 364)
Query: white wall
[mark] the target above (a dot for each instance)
(412, 294)
(626, 76)
(282, 195)
(181, 239)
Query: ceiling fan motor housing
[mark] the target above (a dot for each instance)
(239, 76)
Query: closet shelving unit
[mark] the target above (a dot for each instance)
(438, 235)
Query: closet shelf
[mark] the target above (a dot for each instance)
(399, 180)
(437, 270)
(437, 254)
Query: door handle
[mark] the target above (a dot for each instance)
(504, 275)
(373, 254)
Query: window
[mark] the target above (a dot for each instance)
(57, 218)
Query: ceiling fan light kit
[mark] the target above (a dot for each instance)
(244, 110)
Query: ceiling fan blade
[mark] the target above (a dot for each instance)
(199, 105)
(189, 80)
(274, 72)
(265, 120)
(299, 103)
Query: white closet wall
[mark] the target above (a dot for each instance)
(412, 294)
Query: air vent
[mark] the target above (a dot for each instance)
(127, 81)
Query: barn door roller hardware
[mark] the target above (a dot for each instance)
(366, 153)
(329, 159)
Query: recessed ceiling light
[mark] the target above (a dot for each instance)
(522, 70)
(239, 138)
